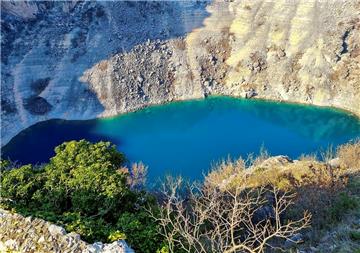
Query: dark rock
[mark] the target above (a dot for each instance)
(39, 85)
(37, 105)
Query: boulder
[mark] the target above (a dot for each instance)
(271, 162)
(249, 93)
(119, 246)
(56, 230)
(335, 163)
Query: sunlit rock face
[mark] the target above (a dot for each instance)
(46, 47)
(302, 51)
(80, 60)
(299, 51)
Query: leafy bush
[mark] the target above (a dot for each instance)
(355, 235)
(343, 203)
(85, 189)
(144, 231)
(21, 185)
(116, 235)
(81, 175)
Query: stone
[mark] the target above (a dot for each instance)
(271, 162)
(56, 230)
(130, 55)
(263, 213)
(11, 244)
(28, 219)
(117, 246)
(74, 235)
(140, 79)
(249, 93)
(41, 239)
(314, 249)
(98, 245)
(39, 235)
(335, 163)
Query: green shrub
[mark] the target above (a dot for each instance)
(164, 249)
(354, 235)
(84, 189)
(20, 185)
(141, 231)
(90, 229)
(81, 175)
(4, 165)
(116, 235)
(343, 203)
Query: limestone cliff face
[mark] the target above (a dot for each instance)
(46, 46)
(305, 51)
(113, 57)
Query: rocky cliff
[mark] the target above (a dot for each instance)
(305, 52)
(27, 234)
(46, 46)
(80, 60)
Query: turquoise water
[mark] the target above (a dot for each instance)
(187, 137)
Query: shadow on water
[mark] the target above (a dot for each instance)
(36, 144)
(67, 38)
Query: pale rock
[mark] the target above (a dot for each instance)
(275, 161)
(41, 239)
(335, 163)
(56, 230)
(11, 244)
(307, 44)
(18, 235)
(117, 247)
(140, 79)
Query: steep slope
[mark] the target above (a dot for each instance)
(46, 46)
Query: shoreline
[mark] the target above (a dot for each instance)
(258, 99)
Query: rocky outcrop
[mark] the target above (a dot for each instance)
(304, 52)
(297, 51)
(20, 234)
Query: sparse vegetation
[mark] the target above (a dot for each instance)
(208, 219)
(349, 154)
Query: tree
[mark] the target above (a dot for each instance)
(19, 185)
(208, 219)
(85, 188)
(84, 177)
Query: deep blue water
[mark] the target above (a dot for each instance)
(187, 137)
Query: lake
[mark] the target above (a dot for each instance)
(188, 137)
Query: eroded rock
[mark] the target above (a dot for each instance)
(21, 234)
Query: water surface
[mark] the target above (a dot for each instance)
(187, 137)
